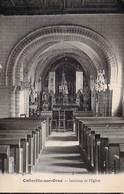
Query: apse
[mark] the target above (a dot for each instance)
(66, 75)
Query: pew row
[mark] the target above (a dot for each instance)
(96, 136)
(105, 121)
(6, 161)
(119, 160)
(34, 131)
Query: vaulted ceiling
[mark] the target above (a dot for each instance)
(42, 7)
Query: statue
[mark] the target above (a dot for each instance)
(45, 101)
(80, 99)
(33, 100)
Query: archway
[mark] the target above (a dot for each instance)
(35, 52)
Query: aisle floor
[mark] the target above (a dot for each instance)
(61, 155)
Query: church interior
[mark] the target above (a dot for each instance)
(62, 86)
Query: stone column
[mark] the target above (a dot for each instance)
(93, 102)
(27, 102)
(116, 99)
(12, 101)
(17, 101)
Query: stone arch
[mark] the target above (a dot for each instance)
(44, 58)
(55, 55)
(55, 34)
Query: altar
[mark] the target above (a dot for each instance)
(65, 91)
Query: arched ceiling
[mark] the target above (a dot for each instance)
(84, 53)
(35, 52)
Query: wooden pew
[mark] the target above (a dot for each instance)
(16, 151)
(36, 123)
(30, 139)
(93, 141)
(101, 141)
(106, 124)
(89, 145)
(112, 149)
(96, 146)
(95, 119)
(26, 125)
(103, 123)
(22, 124)
(94, 123)
(24, 145)
(119, 160)
(89, 136)
(6, 162)
(84, 129)
(33, 139)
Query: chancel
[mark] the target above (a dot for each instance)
(62, 86)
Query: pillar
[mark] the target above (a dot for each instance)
(93, 102)
(17, 101)
(26, 105)
(12, 101)
(116, 97)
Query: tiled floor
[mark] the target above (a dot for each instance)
(61, 155)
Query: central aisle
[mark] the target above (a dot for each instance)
(61, 155)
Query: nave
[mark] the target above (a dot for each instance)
(28, 145)
(61, 155)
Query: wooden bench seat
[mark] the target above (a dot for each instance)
(23, 124)
(101, 141)
(89, 129)
(23, 144)
(93, 123)
(6, 161)
(16, 151)
(112, 149)
(36, 130)
(119, 160)
(34, 138)
(84, 133)
(83, 125)
(22, 134)
(94, 139)
(86, 130)
(89, 141)
(89, 145)
(95, 119)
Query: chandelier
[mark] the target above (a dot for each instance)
(64, 85)
(100, 83)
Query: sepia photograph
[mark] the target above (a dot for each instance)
(62, 92)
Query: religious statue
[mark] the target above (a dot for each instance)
(80, 99)
(45, 100)
(33, 99)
